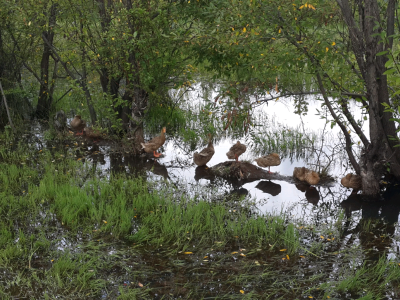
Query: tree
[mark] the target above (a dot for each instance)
(325, 48)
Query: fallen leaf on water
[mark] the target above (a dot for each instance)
(282, 250)
(241, 291)
(187, 252)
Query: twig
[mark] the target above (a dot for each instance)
(8, 111)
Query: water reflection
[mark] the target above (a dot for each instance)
(269, 187)
(376, 227)
(155, 167)
(203, 172)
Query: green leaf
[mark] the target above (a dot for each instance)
(381, 53)
(389, 72)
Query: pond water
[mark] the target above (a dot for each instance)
(298, 200)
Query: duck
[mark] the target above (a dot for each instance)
(299, 173)
(92, 133)
(352, 181)
(236, 150)
(311, 177)
(205, 155)
(77, 124)
(272, 159)
(304, 174)
(155, 143)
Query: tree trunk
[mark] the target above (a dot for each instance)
(366, 43)
(45, 100)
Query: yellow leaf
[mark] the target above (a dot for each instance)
(279, 31)
(287, 256)
(283, 258)
(302, 256)
(105, 222)
(235, 252)
(233, 29)
(187, 252)
(205, 256)
(282, 250)
(241, 254)
(328, 297)
(327, 49)
(241, 291)
(349, 131)
(321, 237)
(244, 29)
(301, 7)
(310, 297)
(333, 44)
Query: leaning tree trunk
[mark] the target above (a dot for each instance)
(366, 43)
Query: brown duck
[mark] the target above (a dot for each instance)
(304, 174)
(352, 181)
(77, 124)
(205, 155)
(236, 150)
(155, 143)
(299, 173)
(311, 177)
(92, 133)
(268, 160)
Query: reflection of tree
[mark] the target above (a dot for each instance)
(376, 226)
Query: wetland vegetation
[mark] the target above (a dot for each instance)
(93, 217)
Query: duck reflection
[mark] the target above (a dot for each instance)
(311, 193)
(203, 172)
(155, 167)
(269, 187)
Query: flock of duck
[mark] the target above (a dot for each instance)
(204, 156)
